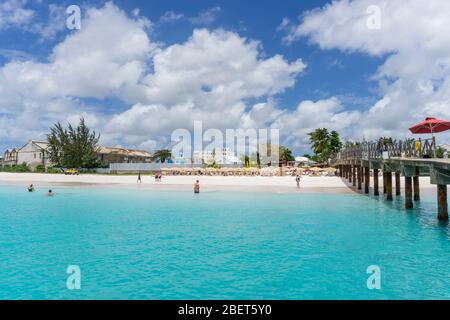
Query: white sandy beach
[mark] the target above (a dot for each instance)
(208, 183)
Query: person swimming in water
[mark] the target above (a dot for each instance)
(31, 188)
(197, 187)
(50, 193)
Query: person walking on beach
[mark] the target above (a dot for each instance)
(197, 187)
(297, 179)
(139, 180)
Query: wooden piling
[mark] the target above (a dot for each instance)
(350, 173)
(408, 193)
(354, 176)
(367, 180)
(384, 182)
(376, 191)
(442, 202)
(389, 186)
(416, 185)
(359, 178)
(398, 191)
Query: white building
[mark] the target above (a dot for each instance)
(10, 157)
(34, 153)
(218, 155)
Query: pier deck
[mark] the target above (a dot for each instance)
(407, 159)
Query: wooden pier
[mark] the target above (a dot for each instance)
(404, 158)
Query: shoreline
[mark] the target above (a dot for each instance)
(285, 184)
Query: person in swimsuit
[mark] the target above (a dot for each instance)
(139, 180)
(197, 187)
(31, 188)
(297, 179)
(50, 193)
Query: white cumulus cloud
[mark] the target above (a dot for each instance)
(414, 80)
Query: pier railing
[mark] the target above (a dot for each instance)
(409, 148)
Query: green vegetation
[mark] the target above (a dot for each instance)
(286, 154)
(162, 155)
(73, 147)
(17, 168)
(247, 161)
(324, 144)
(40, 168)
(440, 152)
(213, 165)
(53, 170)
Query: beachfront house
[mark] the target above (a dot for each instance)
(34, 153)
(109, 155)
(10, 158)
(218, 156)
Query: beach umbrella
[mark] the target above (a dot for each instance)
(431, 126)
(301, 159)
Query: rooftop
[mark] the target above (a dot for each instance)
(124, 151)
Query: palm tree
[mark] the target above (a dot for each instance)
(162, 155)
(324, 144)
(319, 140)
(335, 142)
(286, 154)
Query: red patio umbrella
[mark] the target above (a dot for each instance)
(431, 126)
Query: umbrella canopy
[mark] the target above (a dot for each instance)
(430, 125)
(301, 159)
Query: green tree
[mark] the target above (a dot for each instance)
(335, 142)
(324, 144)
(73, 147)
(246, 161)
(286, 154)
(162, 155)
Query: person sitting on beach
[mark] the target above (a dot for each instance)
(197, 187)
(31, 188)
(50, 193)
(297, 179)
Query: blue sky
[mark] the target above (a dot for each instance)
(341, 78)
(259, 22)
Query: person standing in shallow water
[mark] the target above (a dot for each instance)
(197, 187)
(297, 179)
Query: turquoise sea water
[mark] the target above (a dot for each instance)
(143, 244)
